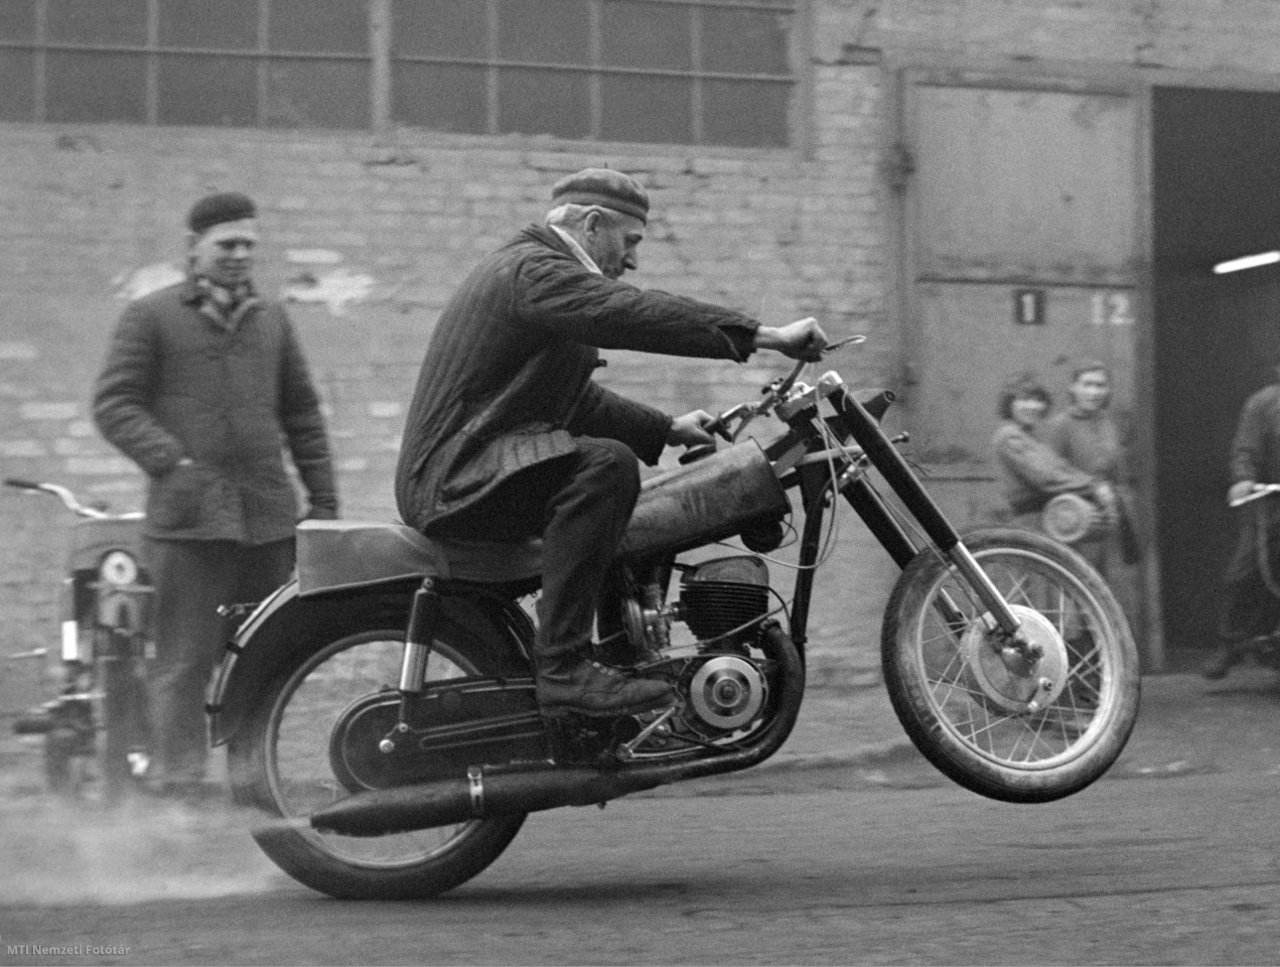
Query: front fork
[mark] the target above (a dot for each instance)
(886, 458)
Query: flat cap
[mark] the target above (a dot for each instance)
(228, 206)
(604, 187)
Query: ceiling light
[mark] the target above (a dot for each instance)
(1247, 262)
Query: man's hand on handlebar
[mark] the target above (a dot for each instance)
(694, 430)
(803, 339)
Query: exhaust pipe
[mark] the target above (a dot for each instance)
(481, 795)
(507, 791)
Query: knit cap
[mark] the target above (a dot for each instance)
(604, 187)
(230, 206)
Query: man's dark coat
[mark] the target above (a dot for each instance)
(506, 382)
(1255, 456)
(178, 383)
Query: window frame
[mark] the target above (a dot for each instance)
(153, 52)
(796, 79)
(380, 59)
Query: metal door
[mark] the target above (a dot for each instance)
(1020, 251)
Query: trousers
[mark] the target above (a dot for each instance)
(579, 504)
(192, 579)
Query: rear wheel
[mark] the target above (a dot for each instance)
(1002, 726)
(282, 762)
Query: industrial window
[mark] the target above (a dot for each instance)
(273, 63)
(676, 71)
(716, 72)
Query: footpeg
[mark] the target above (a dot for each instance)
(659, 726)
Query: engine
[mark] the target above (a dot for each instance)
(722, 602)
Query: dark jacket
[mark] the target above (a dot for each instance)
(1255, 451)
(179, 383)
(506, 382)
(1255, 455)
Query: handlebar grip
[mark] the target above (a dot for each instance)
(20, 484)
(697, 453)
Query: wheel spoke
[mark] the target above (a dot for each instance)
(308, 713)
(984, 707)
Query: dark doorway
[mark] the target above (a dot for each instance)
(1216, 196)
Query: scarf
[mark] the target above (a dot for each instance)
(224, 304)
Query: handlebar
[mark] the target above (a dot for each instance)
(1259, 491)
(773, 395)
(68, 498)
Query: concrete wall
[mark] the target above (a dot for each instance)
(367, 240)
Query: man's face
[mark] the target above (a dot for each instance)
(611, 239)
(1091, 390)
(224, 253)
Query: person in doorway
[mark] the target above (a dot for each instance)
(203, 383)
(508, 437)
(1031, 472)
(1086, 436)
(1249, 596)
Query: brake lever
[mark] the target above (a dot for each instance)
(779, 389)
(719, 427)
(772, 396)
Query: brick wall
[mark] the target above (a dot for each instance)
(367, 240)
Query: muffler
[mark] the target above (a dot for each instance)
(509, 790)
(481, 795)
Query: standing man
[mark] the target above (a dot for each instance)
(1249, 606)
(203, 387)
(508, 436)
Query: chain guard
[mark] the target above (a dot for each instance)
(451, 727)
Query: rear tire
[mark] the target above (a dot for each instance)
(990, 723)
(280, 763)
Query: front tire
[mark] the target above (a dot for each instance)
(996, 725)
(280, 763)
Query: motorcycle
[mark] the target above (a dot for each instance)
(95, 729)
(380, 707)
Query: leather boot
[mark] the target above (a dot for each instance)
(590, 688)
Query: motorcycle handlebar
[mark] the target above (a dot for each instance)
(68, 498)
(1257, 493)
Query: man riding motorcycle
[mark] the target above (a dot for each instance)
(508, 437)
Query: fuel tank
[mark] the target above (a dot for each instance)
(708, 500)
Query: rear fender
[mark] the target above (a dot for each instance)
(286, 629)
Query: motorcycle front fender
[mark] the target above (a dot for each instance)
(288, 627)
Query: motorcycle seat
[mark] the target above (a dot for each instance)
(338, 555)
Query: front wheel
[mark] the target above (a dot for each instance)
(994, 722)
(283, 763)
